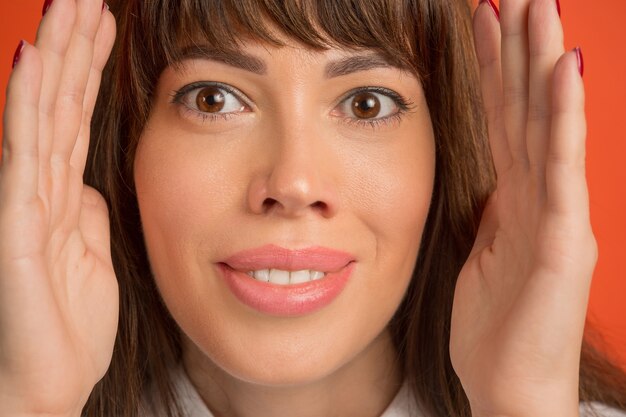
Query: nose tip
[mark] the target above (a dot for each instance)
(292, 193)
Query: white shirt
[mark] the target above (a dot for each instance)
(403, 405)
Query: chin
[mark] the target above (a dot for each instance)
(279, 373)
(277, 358)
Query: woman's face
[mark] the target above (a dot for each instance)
(256, 165)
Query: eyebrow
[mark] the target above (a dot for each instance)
(235, 59)
(251, 63)
(356, 63)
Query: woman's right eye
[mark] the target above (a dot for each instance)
(210, 100)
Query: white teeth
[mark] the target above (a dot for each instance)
(262, 275)
(316, 275)
(277, 276)
(298, 277)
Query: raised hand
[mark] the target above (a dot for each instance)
(58, 292)
(520, 300)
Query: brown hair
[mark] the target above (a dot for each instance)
(433, 39)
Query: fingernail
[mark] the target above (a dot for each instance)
(46, 6)
(105, 6)
(558, 7)
(18, 53)
(581, 61)
(493, 6)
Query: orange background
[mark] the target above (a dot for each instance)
(599, 27)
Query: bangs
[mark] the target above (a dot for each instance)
(385, 26)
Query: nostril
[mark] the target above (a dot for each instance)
(320, 205)
(268, 203)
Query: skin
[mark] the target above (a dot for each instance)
(520, 302)
(333, 183)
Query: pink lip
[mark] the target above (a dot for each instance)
(287, 300)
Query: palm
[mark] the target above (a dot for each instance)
(58, 291)
(520, 300)
(66, 298)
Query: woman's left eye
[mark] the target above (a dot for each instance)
(210, 100)
(371, 105)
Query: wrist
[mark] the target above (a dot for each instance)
(18, 409)
(37, 402)
(548, 404)
(11, 412)
(8, 413)
(547, 410)
(526, 413)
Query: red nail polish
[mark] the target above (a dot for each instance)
(558, 7)
(581, 61)
(46, 6)
(493, 6)
(18, 53)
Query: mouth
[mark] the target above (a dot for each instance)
(282, 282)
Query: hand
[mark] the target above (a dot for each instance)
(58, 291)
(520, 301)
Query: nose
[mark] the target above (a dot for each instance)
(297, 178)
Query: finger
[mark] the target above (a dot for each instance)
(53, 38)
(105, 39)
(545, 36)
(487, 41)
(77, 65)
(68, 110)
(103, 45)
(20, 153)
(565, 167)
(513, 19)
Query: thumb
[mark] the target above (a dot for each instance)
(94, 223)
(489, 224)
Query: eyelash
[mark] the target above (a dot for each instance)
(403, 105)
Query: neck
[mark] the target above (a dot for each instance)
(365, 386)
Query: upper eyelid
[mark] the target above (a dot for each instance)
(357, 90)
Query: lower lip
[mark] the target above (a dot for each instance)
(286, 300)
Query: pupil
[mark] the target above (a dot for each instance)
(210, 100)
(366, 105)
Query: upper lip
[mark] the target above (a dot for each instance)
(314, 258)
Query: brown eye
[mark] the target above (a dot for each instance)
(210, 100)
(366, 105)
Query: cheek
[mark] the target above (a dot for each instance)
(164, 187)
(395, 195)
(175, 215)
(391, 192)
(182, 188)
